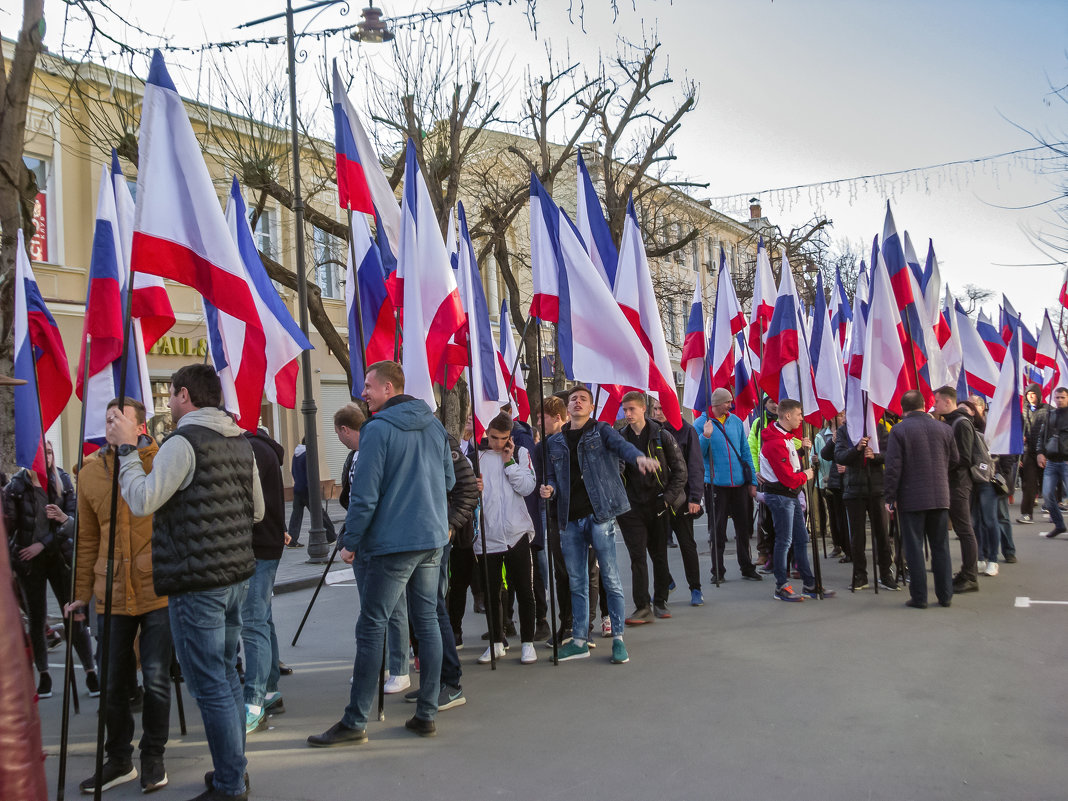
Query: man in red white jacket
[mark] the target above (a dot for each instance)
(780, 469)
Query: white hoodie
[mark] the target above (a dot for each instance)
(505, 518)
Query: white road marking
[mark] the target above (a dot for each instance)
(1022, 601)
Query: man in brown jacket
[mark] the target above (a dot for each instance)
(135, 609)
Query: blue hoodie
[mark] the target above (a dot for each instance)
(398, 498)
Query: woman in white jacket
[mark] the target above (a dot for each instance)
(507, 477)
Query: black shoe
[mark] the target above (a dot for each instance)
(153, 774)
(295, 544)
(284, 669)
(915, 604)
(945, 603)
(509, 629)
(661, 611)
(752, 575)
(1010, 559)
(113, 775)
(480, 604)
(845, 560)
(640, 616)
(424, 728)
(1056, 532)
(274, 706)
(338, 734)
(211, 794)
(961, 584)
(889, 583)
(92, 684)
(44, 686)
(209, 781)
(542, 631)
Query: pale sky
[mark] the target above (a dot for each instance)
(791, 92)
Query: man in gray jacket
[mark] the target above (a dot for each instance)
(919, 455)
(204, 490)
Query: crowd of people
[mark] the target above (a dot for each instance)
(431, 520)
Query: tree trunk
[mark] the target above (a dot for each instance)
(14, 214)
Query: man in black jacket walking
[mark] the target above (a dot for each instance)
(1052, 448)
(682, 520)
(960, 488)
(920, 453)
(652, 497)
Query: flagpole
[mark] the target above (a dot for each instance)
(105, 634)
(518, 353)
(710, 501)
(356, 295)
(543, 504)
(68, 659)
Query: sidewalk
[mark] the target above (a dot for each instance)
(294, 571)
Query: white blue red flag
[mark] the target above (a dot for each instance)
(948, 340)
(510, 367)
(728, 320)
(746, 394)
(978, 370)
(763, 306)
(991, 337)
(826, 358)
(1046, 348)
(376, 307)
(597, 343)
(361, 183)
(40, 361)
(636, 298)
(1004, 433)
(884, 376)
(694, 348)
(433, 312)
(781, 346)
(488, 386)
(593, 228)
(841, 313)
(860, 412)
(909, 303)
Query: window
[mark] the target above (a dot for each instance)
(693, 255)
(329, 264)
(160, 424)
(42, 172)
(672, 322)
(263, 233)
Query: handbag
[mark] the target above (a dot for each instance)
(747, 471)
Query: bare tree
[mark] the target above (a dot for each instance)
(974, 297)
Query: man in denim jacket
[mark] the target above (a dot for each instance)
(583, 475)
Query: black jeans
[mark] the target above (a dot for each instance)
(838, 519)
(645, 529)
(960, 514)
(930, 523)
(463, 573)
(1030, 483)
(765, 541)
(156, 649)
(296, 519)
(682, 526)
(736, 503)
(44, 569)
(872, 508)
(520, 569)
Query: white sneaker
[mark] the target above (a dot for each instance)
(498, 651)
(397, 684)
(606, 627)
(991, 568)
(529, 654)
(980, 565)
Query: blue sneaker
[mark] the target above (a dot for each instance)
(619, 652)
(786, 593)
(696, 598)
(255, 721)
(573, 650)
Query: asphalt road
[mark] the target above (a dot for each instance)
(857, 697)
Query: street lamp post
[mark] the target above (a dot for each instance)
(376, 32)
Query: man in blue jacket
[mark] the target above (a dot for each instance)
(730, 482)
(397, 520)
(582, 473)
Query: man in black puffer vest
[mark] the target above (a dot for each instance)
(205, 493)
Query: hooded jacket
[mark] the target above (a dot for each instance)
(1032, 419)
(863, 478)
(269, 534)
(964, 437)
(132, 591)
(780, 465)
(398, 501)
(505, 518)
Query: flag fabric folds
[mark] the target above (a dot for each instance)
(379, 320)
(727, 321)
(884, 375)
(433, 312)
(597, 343)
(763, 306)
(841, 313)
(978, 370)
(1004, 434)
(826, 358)
(508, 354)
(40, 361)
(593, 228)
(782, 344)
(694, 347)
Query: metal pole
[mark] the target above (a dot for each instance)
(545, 505)
(518, 352)
(68, 659)
(319, 586)
(317, 546)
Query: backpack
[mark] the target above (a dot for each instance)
(982, 467)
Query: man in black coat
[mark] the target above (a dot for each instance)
(682, 520)
(862, 493)
(920, 452)
(1052, 449)
(1034, 412)
(960, 488)
(257, 623)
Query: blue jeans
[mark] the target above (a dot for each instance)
(575, 542)
(1008, 546)
(397, 641)
(450, 659)
(256, 631)
(385, 580)
(206, 626)
(789, 524)
(1055, 474)
(985, 520)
